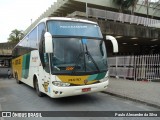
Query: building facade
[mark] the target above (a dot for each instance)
(5, 58)
(134, 23)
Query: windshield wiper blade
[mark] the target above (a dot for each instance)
(89, 55)
(77, 61)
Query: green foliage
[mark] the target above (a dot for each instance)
(15, 36)
(125, 4)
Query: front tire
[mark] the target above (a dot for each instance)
(39, 93)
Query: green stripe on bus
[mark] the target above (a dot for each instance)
(100, 76)
(92, 77)
(25, 65)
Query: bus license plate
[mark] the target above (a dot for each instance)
(86, 89)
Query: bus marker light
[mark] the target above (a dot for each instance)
(69, 68)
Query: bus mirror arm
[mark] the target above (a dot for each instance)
(114, 43)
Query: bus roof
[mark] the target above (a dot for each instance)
(61, 19)
(67, 19)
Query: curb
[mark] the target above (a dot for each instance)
(132, 99)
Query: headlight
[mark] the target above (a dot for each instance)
(60, 84)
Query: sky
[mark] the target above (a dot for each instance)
(17, 14)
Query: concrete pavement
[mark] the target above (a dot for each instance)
(141, 91)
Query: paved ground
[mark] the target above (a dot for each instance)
(15, 97)
(146, 92)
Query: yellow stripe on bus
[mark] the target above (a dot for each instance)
(17, 66)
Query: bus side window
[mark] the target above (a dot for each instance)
(43, 56)
(32, 41)
(41, 29)
(46, 62)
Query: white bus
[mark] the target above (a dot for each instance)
(62, 57)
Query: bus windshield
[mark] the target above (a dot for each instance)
(78, 48)
(78, 55)
(68, 28)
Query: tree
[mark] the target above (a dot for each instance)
(125, 4)
(15, 36)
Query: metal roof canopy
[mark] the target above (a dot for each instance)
(65, 7)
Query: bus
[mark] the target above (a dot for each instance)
(62, 57)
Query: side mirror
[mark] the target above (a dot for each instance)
(48, 43)
(114, 43)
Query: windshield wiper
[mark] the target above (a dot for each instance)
(89, 55)
(76, 62)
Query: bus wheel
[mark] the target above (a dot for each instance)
(16, 77)
(39, 93)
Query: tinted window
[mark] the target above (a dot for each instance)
(33, 39)
(22, 47)
(41, 30)
(67, 28)
(29, 43)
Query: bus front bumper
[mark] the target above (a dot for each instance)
(59, 92)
